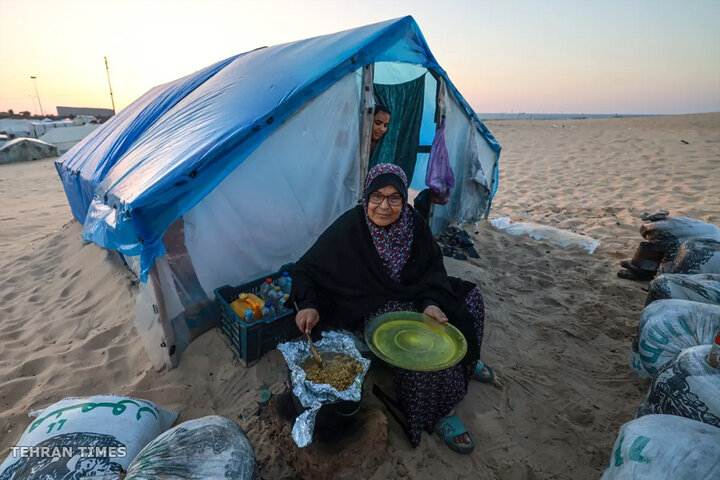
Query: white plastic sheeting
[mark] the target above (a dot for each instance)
(552, 235)
(232, 240)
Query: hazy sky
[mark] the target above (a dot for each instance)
(566, 56)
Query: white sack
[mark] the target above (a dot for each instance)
(204, 448)
(673, 231)
(686, 387)
(665, 447)
(703, 288)
(699, 255)
(122, 424)
(667, 327)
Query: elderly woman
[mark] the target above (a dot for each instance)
(380, 256)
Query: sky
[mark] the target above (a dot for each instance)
(509, 56)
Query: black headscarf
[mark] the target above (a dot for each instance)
(344, 278)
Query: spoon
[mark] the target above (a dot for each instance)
(315, 353)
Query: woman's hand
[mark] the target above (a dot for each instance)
(306, 319)
(435, 312)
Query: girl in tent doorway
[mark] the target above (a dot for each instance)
(379, 257)
(381, 121)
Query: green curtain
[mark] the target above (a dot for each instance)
(401, 141)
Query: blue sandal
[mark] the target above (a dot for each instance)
(483, 373)
(450, 427)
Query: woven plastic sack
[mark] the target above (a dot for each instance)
(699, 255)
(85, 437)
(673, 231)
(702, 287)
(665, 447)
(208, 447)
(667, 327)
(687, 387)
(439, 175)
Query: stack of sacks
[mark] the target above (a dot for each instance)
(114, 438)
(703, 288)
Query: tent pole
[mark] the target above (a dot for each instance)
(366, 124)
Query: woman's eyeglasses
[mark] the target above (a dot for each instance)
(395, 200)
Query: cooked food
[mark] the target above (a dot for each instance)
(338, 370)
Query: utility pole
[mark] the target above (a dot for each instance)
(34, 79)
(107, 69)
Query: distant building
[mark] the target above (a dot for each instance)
(101, 114)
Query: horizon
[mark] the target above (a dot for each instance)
(606, 57)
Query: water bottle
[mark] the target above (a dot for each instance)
(266, 287)
(274, 296)
(268, 310)
(281, 303)
(249, 316)
(285, 282)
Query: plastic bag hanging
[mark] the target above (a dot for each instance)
(439, 176)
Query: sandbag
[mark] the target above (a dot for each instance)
(702, 287)
(208, 447)
(687, 387)
(667, 327)
(698, 255)
(84, 437)
(665, 447)
(673, 231)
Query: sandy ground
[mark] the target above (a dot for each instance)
(558, 329)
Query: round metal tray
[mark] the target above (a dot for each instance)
(415, 341)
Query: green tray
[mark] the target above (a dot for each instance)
(415, 341)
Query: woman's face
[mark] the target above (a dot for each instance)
(380, 125)
(383, 214)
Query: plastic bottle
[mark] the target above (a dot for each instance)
(268, 310)
(249, 316)
(266, 287)
(713, 357)
(281, 303)
(285, 282)
(274, 296)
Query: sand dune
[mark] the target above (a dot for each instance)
(558, 326)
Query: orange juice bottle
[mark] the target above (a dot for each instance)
(248, 301)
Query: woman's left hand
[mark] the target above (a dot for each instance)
(435, 312)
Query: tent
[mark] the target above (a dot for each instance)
(65, 138)
(228, 173)
(26, 149)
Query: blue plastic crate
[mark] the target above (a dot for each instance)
(250, 341)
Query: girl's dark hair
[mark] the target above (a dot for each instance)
(381, 108)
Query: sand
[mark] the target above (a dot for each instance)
(558, 328)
